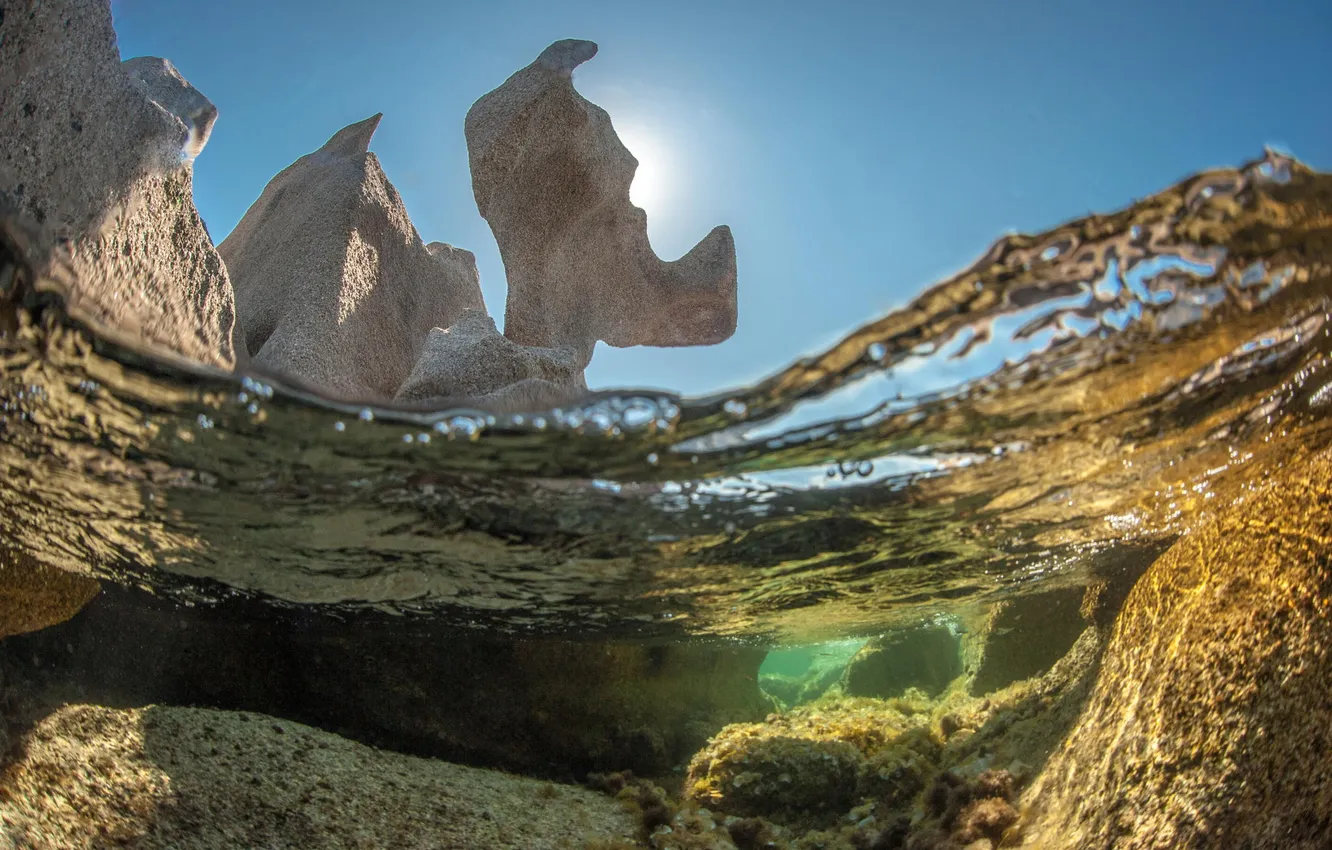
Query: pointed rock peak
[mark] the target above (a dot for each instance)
(565, 55)
(354, 139)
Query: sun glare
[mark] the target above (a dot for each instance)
(651, 187)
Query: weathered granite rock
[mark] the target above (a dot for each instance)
(167, 88)
(333, 284)
(1210, 724)
(552, 179)
(158, 777)
(472, 360)
(102, 166)
(926, 657)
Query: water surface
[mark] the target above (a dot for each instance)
(1061, 410)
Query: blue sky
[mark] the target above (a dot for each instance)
(858, 151)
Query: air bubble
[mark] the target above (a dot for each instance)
(253, 408)
(735, 408)
(339, 426)
(463, 426)
(407, 438)
(638, 413)
(423, 437)
(652, 459)
(877, 351)
(366, 415)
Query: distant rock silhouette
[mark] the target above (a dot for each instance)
(333, 284)
(96, 155)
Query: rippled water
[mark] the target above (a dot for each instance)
(1064, 408)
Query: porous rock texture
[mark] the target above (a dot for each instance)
(1210, 724)
(333, 284)
(473, 362)
(103, 168)
(196, 779)
(552, 179)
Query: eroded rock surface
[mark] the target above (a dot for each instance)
(473, 361)
(333, 284)
(552, 179)
(161, 777)
(1210, 724)
(167, 88)
(102, 167)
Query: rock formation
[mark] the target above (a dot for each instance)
(34, 596)
(474, 361)
(333, 284)
(171, 778)
(335, 288)
(1210, 723)
(166, 87)
(552, 179)
(93, 157)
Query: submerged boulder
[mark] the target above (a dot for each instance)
(34, 596)
(158, 777)
(552, 179)
(97, 154)
(1210, 724)
(334, 286)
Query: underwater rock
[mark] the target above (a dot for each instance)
(99, 165)
(34, 596)
(809, 765)
(552, 179)
(334, 286)
(1210, 723)
(552, 707)
(472, 360)
(158, 777)
(772, 776)
(1024, 636)
(926, 657)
